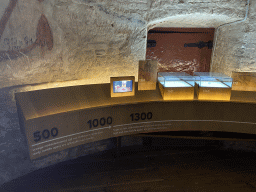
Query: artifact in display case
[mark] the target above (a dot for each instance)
(122, 86)
(176, 85)
(147, 75)
(244, 81)
(213, 86)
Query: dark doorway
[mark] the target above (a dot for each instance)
(181, 49)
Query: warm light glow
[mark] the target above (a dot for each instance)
(177, 93)
(56, 85)
(213, 93)
(244, 81)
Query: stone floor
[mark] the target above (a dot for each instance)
(184, 169)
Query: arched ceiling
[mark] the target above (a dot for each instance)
(54, 41)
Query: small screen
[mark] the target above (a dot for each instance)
(122, 86)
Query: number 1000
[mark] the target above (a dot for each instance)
(102, 122)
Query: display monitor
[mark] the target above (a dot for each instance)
(122, 86)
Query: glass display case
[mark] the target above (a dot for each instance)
(213, 86)
(176, 85)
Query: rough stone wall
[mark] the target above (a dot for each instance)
(248, 51)
(93, 39)
(235, 45)
(90, 40)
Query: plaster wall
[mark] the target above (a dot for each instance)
(91, 40)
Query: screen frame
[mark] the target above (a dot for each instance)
(122, 94)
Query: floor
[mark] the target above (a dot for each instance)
(182, 169)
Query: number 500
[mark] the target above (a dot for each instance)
(45, 134)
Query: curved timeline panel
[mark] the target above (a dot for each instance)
(57, 119)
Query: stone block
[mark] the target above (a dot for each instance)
(100, 52)
(98, 46)
(133, 1)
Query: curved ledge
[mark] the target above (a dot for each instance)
(56, 119)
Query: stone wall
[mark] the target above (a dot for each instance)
(235, 45)
(48, 41)
(59, 42)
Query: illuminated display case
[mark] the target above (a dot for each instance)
(176, 85)
(213, 86)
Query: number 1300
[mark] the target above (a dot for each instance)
(141, 116)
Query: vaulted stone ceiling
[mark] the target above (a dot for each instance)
(50, 41)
